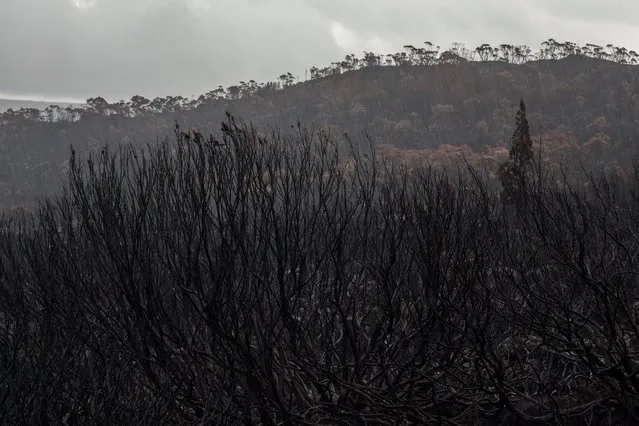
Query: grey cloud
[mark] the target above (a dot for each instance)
(618, 11)
(442, 22)
(119, 48)
(159, 47)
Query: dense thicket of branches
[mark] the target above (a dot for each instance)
(277, 280)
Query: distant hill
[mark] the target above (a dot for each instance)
(419, 107)
(14, 104)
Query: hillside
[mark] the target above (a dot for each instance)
(416, 106)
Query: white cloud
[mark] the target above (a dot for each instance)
(350, 42)
(83, 4)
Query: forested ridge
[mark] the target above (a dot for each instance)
(257, 272)
(422, 105)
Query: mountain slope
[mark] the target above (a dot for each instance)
(581, 108)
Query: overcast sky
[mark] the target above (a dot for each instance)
(75, 49)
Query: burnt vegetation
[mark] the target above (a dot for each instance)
(303, 277)
(295, 278)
